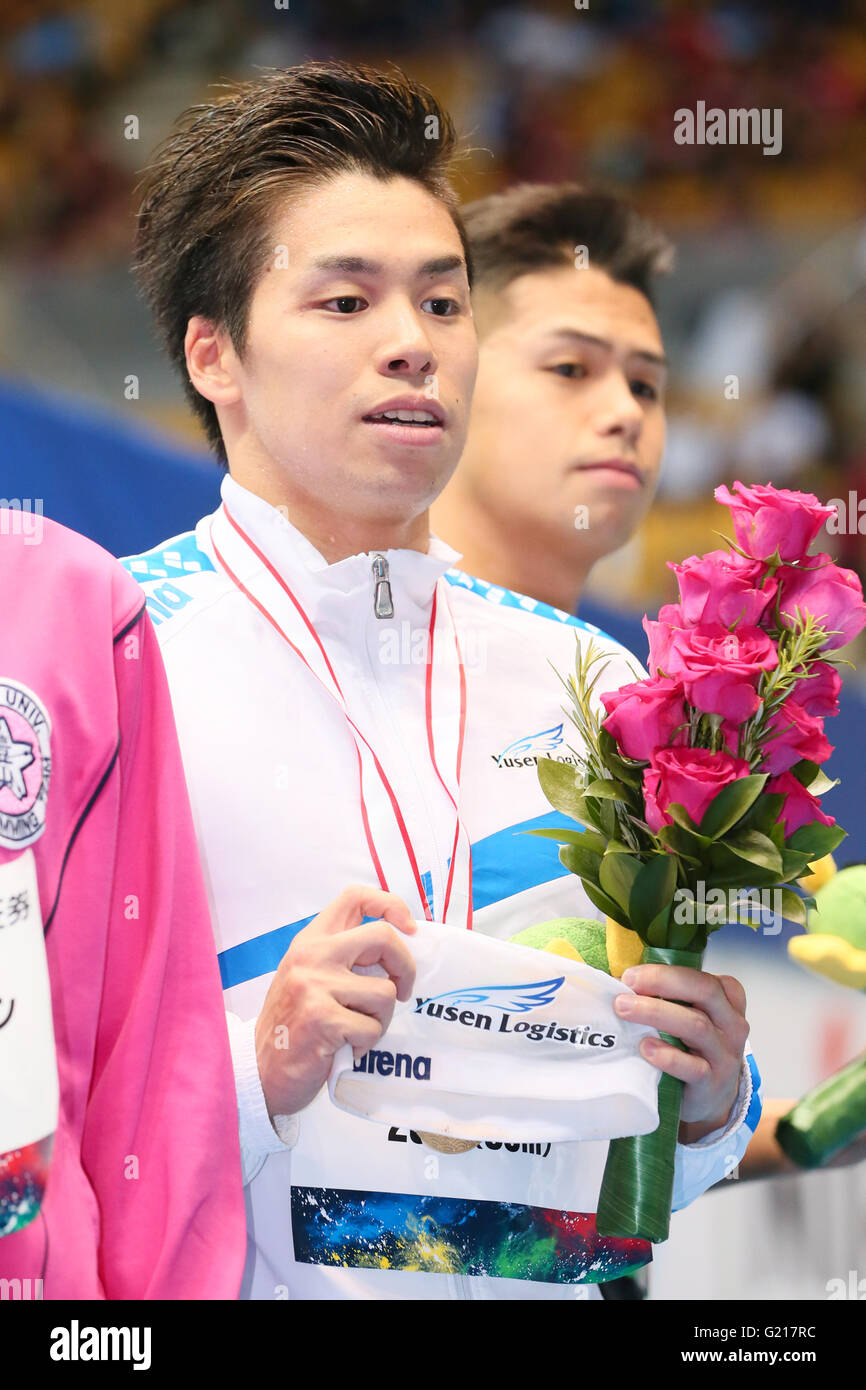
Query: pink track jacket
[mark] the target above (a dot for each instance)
(144, 1197)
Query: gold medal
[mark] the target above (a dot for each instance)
(443, 1145)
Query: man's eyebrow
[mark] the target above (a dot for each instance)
(657, 359)
(360, 265)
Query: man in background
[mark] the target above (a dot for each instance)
(567, 427)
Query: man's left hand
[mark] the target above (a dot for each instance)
(714, 1029)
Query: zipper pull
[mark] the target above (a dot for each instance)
(383, 604)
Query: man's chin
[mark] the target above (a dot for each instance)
(604, 521)
(421, 479)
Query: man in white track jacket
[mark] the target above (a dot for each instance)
(353, 709)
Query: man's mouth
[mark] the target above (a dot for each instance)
(419, 419)
(627, 470)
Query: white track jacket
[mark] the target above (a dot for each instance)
(323, 712)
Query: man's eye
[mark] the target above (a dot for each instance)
(569, 369)
(645, 389)
(442, 308)
(346, 303)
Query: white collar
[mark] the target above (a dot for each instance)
(413, 571)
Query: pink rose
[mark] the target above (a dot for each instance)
(768, 519)
(690, 776)
(719, 670)
(796, 735)
(800, 806)
(833, 595)
(723, 587)
(643, 716)
(818, 693)
(731, 735)
(659, 635)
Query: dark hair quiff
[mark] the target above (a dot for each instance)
(209, 192)
(536, 226)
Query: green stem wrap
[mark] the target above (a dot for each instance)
(827, 1118)
(638, 1183)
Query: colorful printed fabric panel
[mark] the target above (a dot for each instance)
(23, 1174)
(452, 1235)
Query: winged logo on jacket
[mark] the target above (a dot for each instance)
(512, 999)
(543, 742)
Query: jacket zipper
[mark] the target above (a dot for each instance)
(383, 607)
(383, 603)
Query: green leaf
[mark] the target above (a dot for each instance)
(813, 777)
(732, 802)
(657, 931)
(627, 772)
(682, 818)
(580, 861)
(606, 818)
(617, 874)
(816, 839)
(599, 899)
(755, 848)
(652, 893)
(776, 833)
(763, 814)
(729, 870)
(590, 839)
(607, 744)
(793, 906)
(680, 934)
(607, 789)
(682, 842)
(584, 838)
(621, 767)
(795, 863)
(823, 784)
(559, 784)
(589, 816)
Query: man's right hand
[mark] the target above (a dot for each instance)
(316, 1002)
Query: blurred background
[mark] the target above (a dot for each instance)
(768, 297)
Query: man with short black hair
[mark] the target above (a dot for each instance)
(345, 697)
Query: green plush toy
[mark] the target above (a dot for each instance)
(835, 941)
(608, 947)
(576, 938)
(831, 1115)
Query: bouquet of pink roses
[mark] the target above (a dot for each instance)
(699, 787)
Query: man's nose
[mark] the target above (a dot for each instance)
(407, 350)
(619, 412)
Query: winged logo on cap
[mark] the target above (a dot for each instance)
(512, 999)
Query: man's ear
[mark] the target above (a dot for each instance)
(212, 362)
